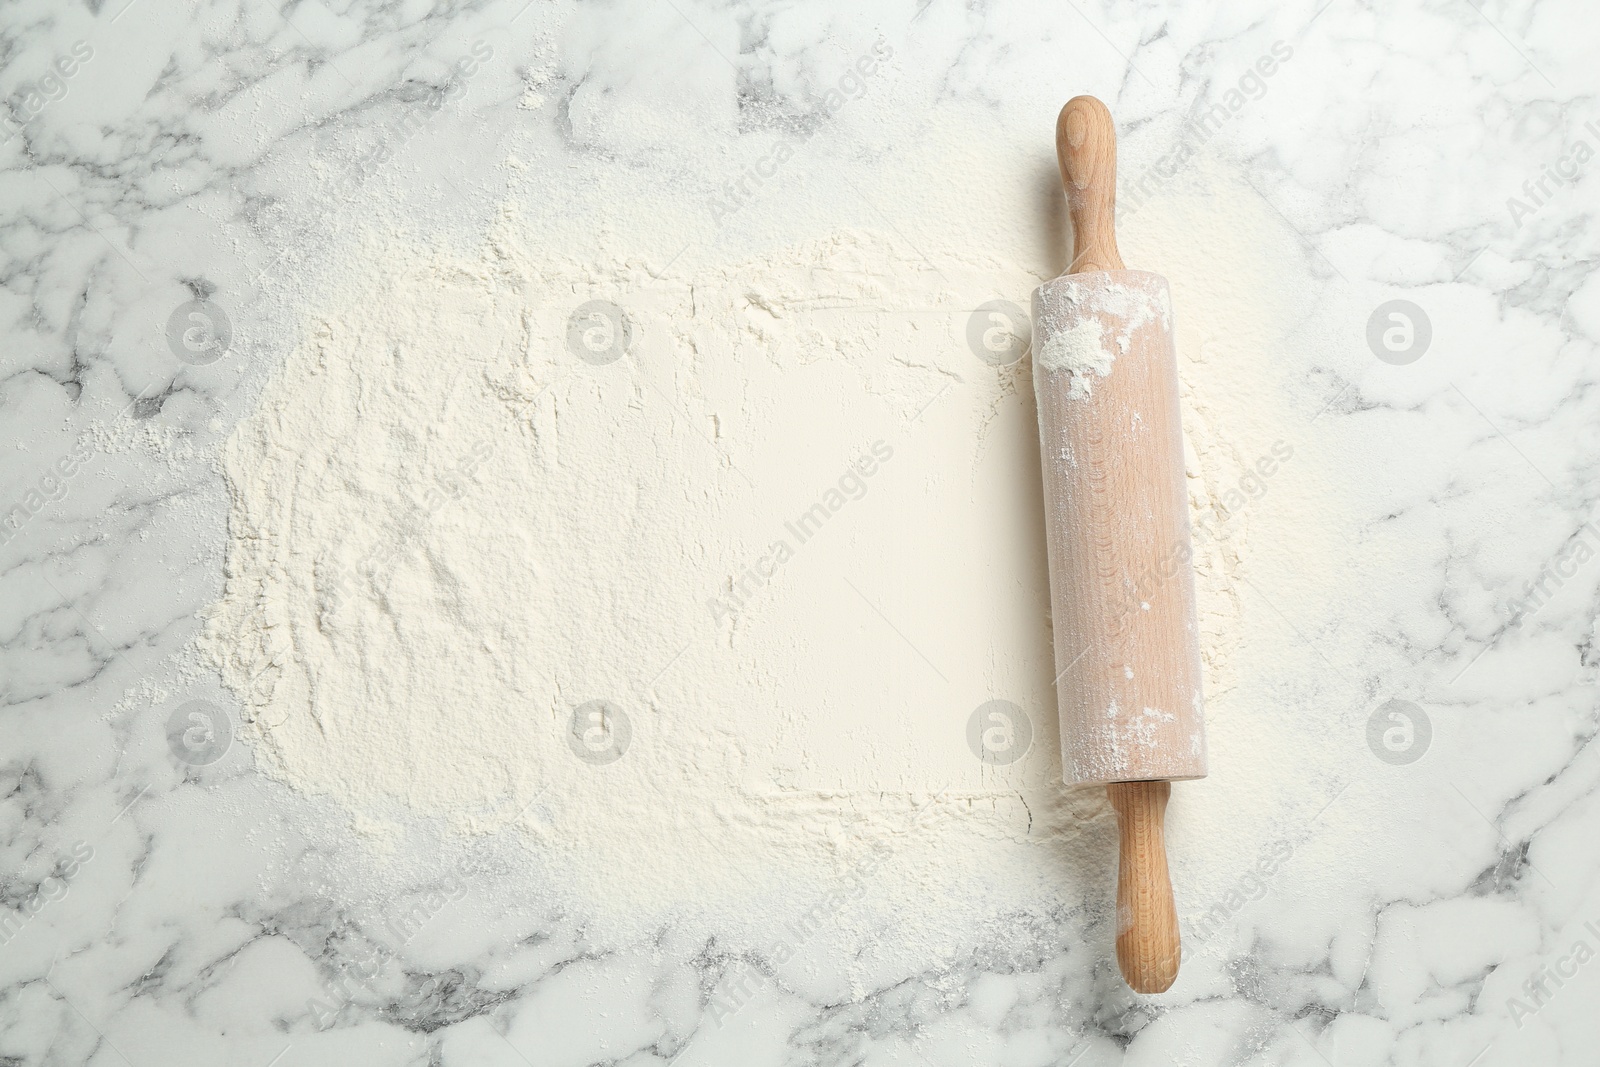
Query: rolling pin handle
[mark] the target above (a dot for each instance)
(1148, 948)
(1086, 149)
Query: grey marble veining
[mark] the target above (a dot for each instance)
(169, 173)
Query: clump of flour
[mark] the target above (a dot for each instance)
(1071, 314)
(1079, 350)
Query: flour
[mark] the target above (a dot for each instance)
(1077, 349)
(534, 86)
(1072, 313)
(475, 530)
(455, 527)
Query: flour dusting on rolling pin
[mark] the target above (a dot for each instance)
(1087, 320)
(1118, 515)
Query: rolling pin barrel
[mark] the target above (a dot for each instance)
(1117, 529)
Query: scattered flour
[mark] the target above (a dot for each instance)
(455, 528)
(475, 527)
(534, 84)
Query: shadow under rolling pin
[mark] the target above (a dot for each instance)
(1117, 529)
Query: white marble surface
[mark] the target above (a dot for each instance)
(161, 913)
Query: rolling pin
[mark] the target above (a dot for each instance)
(1117, 526)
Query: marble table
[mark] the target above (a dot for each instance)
(163, 161)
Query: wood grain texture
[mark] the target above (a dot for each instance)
(1086, 149)
(1148, 946)
(1117, 537)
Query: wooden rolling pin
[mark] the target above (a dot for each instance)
(1117, 525)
